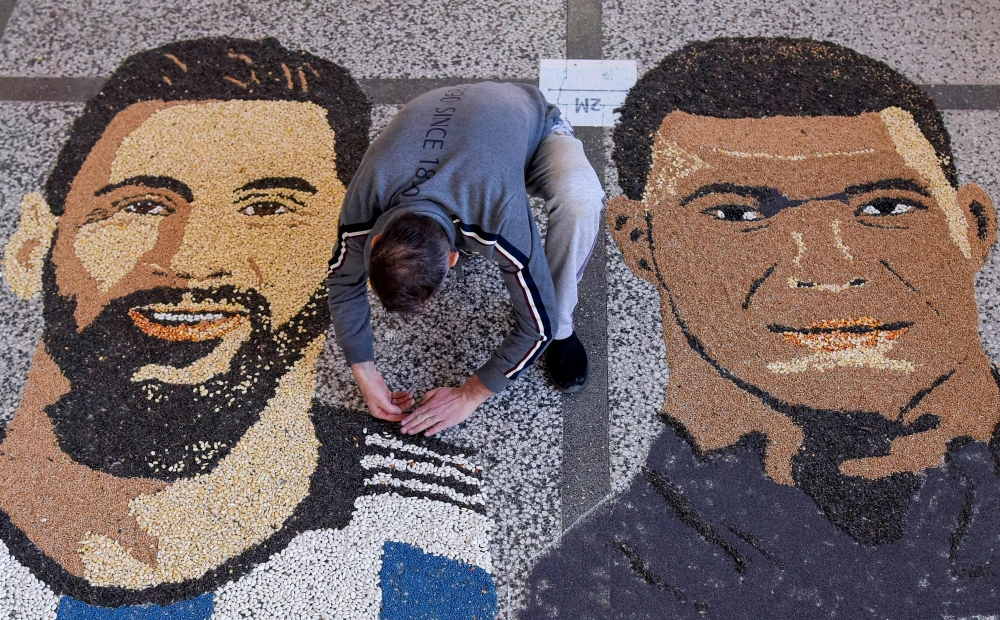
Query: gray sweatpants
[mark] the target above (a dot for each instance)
(560, 174)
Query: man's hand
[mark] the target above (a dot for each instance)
(381, 402)
(443, 408)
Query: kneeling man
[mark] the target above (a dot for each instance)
(449, 173)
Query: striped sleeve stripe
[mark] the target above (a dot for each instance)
(382, 479)
(528, 289)
(376, 439)
(423, 468)
(347, 232)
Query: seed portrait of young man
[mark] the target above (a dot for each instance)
(828, 440)
(168, 458)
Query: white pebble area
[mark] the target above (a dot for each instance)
(22, 597)
(637, 358)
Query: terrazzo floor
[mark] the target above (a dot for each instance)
(522, 433)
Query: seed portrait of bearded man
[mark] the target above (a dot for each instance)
(168, 457)
(828, 444)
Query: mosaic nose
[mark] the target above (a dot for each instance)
(823, 261)
(206, 249)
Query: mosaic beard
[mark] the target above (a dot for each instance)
(111, 423)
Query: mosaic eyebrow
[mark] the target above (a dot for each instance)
(159, 182)
(761, 194)
(902, 184)
(293, 183)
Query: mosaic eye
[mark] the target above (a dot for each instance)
(147, 207)
(888, 206)
(733, 213)
(264, 208)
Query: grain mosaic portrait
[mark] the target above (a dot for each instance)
(169, 457)
(828, 443)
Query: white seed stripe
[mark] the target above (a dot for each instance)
(424, 487)
(187, 318)
(376, 461)
(387, 442)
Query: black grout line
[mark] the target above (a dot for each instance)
(49, 88)
(379, 91)
(964, 96)
(584, 38)
(586, 471)
(586, 459)
(6, 9)
(401, 90)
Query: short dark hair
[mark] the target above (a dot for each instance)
(219, 68)
(409, 262)
(758, 77)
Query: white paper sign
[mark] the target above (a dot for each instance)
(587, 91)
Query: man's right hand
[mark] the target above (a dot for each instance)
(381, 402)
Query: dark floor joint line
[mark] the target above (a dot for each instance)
(583, 29)
(6, 9)
(49, 88)
(586, 475)
(964, 96)
(392, 91)
(397, 91)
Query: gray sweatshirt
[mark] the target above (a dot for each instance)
(458, 155)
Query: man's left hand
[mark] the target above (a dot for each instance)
(444, 407)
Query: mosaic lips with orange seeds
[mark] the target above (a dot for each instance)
(189, 320)
(835, 335)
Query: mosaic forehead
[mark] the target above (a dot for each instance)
(180, 248)
(812, 248)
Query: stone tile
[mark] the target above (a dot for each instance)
(932, 41)
(413, 38)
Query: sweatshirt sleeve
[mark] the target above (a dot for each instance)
(347, 288)
(532, 294)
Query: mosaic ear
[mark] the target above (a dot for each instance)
(627, 221)
(27, 248)
(982, 217)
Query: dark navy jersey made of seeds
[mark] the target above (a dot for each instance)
(457, 155)
(716, 538)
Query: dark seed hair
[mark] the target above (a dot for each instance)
(758, 77)
(220, 68)
(409, 262)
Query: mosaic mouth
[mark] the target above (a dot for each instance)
(843, 334)
(188, 321)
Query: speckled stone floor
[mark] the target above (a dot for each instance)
(551, 458)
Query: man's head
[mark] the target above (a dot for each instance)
(409, 261)
(797, 204)
(195, 198)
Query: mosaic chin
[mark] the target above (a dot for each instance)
(168, 449)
